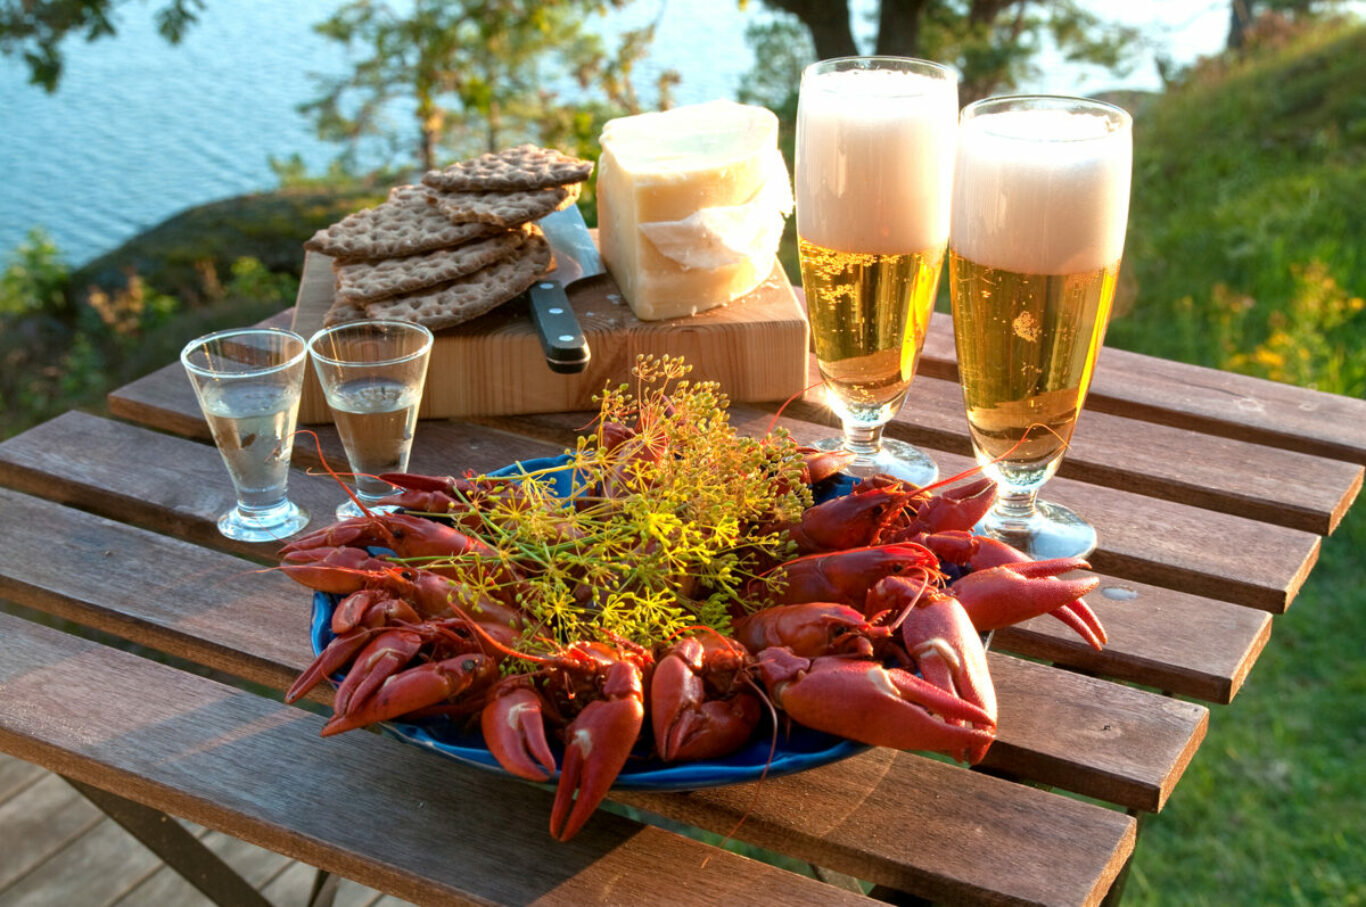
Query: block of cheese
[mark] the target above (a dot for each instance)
(691, 205)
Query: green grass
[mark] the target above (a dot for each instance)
(1247, 250)
(1245, 235)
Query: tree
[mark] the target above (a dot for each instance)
(1243, 13)
(35, 29)
(992, 42)
(477, 74)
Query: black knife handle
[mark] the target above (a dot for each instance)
(566, 350)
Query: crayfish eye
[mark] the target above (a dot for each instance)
(469, 664)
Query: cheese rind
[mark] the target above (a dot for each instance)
(691, 205)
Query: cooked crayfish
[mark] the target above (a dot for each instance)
(875, 641)
(658, 612)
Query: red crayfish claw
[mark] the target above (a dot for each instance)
(336, 571)
(958, 507)
(514, 729)
(406, 535)
(698, 708)
(1007, 594)
(416, 688)
(938, 634)
(597, 744)
(866, 701)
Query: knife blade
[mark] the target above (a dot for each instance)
(576, 259)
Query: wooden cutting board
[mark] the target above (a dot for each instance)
(756, 347)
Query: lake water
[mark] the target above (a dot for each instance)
(140, 130)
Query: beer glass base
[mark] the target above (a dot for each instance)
(268, 525)
(1052, 531)
(895, 458)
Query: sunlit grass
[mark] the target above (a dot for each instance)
(1248, 252)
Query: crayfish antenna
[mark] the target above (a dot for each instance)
(768, 763)
(336, 476)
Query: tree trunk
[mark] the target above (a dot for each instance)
(898, 27)
(1240, 15)
(828, 21)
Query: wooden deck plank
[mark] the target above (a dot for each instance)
(15, 775)
(39, 821)
(200, 746)
(104, 859)
(46, 815)
(1202, 399)
(200, 605)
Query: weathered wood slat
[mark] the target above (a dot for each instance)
(1148, 540)
(103, 859)
(1142, 538)
(1266, 483)
(213, 755)
(1288, 488)
(1202, 399)
(216, 610)
(1159, 631)
(201, 747)
(80, 460)
(181, 487)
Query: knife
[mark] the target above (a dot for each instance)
(576, 259)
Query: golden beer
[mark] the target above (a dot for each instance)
(1027, 345)
(868, 313)
(1040, 206)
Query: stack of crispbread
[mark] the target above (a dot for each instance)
(459, 244)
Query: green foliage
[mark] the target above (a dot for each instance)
(35, 29)
(477, 74)
(992, 44)
(69, 337)
(1245, 225)
(1269, 811)
(34, 280)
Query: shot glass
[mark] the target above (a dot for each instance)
(248, 383)
(372, 373)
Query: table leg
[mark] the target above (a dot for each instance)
(1116, 893)
(179, 849)
(324, 889)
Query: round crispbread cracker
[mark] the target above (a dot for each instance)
(502, 209)
(523, 167)
(367, 281)
(471, 296)
(403, 224)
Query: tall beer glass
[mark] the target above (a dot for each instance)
(1041, 199)
(875, 145)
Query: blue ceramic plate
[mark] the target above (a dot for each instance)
(796, 751)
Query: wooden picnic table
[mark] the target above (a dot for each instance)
(1211, 493)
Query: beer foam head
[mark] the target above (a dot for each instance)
(875, 158)
(1043, 188)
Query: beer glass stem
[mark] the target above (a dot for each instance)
(863, 440)
(1015, 509)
